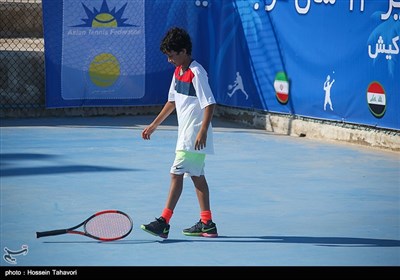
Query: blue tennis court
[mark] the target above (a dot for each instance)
(277, 200)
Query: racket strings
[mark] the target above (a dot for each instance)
(109, 226)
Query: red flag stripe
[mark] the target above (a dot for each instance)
(376, 88)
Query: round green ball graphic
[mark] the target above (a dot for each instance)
(104, 70)
(104, 20)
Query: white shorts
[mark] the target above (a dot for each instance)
(188, 163)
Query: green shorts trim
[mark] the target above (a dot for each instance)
(188, 163)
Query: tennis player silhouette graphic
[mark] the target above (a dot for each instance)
(327, 89)
(237, 85)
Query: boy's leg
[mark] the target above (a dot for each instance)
(202, 192)
(175, 191)
(160, 227)
(205, 227)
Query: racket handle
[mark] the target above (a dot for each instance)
(51, 232)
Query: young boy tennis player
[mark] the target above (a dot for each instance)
(191, 96)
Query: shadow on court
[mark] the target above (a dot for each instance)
(317, 241)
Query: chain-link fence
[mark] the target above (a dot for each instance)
(21, 55)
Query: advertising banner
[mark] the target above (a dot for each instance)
(326, 59)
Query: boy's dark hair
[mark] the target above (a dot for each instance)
(176, 40)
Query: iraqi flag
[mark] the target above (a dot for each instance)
(281, 86)
(376, 99)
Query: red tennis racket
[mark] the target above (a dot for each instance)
(107, 225)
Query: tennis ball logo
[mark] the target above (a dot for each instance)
(104, 20)
(104, 70)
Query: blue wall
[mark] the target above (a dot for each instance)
(326, 59)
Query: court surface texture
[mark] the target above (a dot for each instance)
(277, 200)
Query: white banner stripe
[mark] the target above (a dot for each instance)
(376, 98)
(281, 87)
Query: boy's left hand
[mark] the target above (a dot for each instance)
(200, 140)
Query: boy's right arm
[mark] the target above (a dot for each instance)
(168, 108)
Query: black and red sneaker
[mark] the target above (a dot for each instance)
(158, 228)
(201, 229)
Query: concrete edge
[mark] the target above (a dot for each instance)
(314, 129)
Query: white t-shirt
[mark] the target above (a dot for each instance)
(191, 93)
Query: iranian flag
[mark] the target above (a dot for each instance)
(281, 86)
(376, 99)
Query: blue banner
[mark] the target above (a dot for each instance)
(326, 59)
(103, 50)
